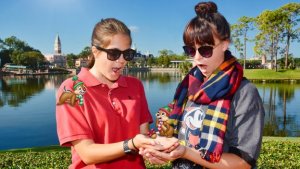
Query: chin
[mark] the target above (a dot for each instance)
(114, 77)
(203, 71)
(205, 74)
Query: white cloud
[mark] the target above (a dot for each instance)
(133, 28)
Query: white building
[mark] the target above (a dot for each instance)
(57, 59)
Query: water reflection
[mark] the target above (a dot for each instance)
(161, 77)
(18, 89)
(27, 111)
(281, 102)
(27, 106)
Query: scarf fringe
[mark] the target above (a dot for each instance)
(217, 93)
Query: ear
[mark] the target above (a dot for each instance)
(225, 45)
(95, 51)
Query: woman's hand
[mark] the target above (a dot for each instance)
(159, 143)
(161, 157)
(141, 140)
(149, 157)
(167, 144)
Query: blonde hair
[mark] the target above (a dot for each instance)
(102, 33)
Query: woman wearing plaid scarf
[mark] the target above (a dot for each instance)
(217, 114)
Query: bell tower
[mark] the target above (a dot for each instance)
(57, 45)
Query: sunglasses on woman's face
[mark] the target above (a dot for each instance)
(114, 54)
(205, 51)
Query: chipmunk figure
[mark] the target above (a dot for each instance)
(71, 97)
(163, 124)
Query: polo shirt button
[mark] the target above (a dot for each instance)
(114, 103)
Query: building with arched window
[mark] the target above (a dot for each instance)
(57, 59)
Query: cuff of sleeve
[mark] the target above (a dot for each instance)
(66, 142)
(251, 161)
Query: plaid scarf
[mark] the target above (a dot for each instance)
(217, 93)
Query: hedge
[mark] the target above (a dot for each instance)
(275, 153)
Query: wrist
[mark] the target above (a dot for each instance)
(128, 147)
(183, 155)
(133, 145)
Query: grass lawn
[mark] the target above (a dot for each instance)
(271, 74)
(276, 152)
(37, 149)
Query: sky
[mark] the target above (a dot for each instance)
(155, 24)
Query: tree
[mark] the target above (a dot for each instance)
(260, 47)
(163, 52)
(166, 61)
(16, 57)
(71, 60)
(13, 43)
(150, 61)
(85, 52)
(241, 29)
(291, 19)
(31, 59)
(2, 44)
(185, 67)
(5, 57)
(270, 24)
(19, 52)
(235, 34)
(164, 57)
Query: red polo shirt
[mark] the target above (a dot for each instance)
(107, 115)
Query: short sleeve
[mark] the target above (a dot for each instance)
(70, 120)
(245, 124)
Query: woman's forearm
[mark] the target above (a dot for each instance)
(228, 160)
(91, 153)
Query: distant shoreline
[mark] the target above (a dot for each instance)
(145, 69)
(285, 80)
(254, 75)
(33, 73)
(57, 147)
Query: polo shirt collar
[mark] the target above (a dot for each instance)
(89, 79)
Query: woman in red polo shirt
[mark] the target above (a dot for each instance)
(101, 114)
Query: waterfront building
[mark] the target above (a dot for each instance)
(81, 62)
(57, 59)
(140, 59)
(9, 68)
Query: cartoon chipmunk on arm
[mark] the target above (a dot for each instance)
(163, 123)
(71, 97)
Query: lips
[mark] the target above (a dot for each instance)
(202, 66)
(116, 69)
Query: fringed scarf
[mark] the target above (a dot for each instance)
(217, 93)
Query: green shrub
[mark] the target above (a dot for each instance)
(57, 159)
(275, 153)
(279, 154)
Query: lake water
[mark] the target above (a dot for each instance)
(27, 106)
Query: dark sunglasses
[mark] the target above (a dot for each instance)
(205, 51)
(114, 54)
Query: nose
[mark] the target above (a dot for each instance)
(121, 59)
(197, 55)
(197, 58)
